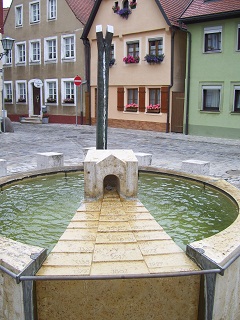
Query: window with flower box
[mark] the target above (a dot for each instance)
(68, 91)
(132, 52)
(34, 51)
(34, 12)
(50, 86)
(236, 102)
(155, 51)
(20, 53)
(52, 9)
(154, 101)
(50, 49)
(8, 92)
(21, 96)
(19, 16)
(213, 39)
(132, 100)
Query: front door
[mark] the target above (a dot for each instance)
(177, 112)
(36, 101)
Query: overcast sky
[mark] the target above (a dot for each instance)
(6, 3)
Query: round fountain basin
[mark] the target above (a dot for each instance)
(36, 211)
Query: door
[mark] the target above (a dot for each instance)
(36, 101)
(177, 112)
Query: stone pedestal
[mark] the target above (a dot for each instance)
(196, 166)
(49, 160)
(144, 159)
(3, 167)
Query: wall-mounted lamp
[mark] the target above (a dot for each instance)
(7, 44)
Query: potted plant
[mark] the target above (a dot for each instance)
(21, 99)
(68, 100)
(111, 62)
(7, 100)
(133, 4)
(51, 100)
(131, 59)
(124, 12)
(131, 107)
(152, 58)
(153, 108)
(115, 9)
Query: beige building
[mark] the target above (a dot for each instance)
(147, 74)
(47, 55)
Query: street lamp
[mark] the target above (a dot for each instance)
(7, 44)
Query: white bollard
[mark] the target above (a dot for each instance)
(3, 167)
(49, 160)
(196, 166)
(144, 159)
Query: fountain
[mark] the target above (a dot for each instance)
(114, 261)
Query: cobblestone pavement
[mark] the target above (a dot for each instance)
(168, 149)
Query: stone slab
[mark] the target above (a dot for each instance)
(196, 166)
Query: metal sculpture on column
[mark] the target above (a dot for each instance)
(104, 49)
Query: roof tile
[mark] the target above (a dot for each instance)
(81, 9)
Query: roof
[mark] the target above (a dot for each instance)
(171, 11)
(81, 9)
(199, 10)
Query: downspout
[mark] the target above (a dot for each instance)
(171, 76)
(189, 38)
(87, 53)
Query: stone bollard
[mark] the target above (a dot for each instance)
(196, 166)
(3, 167)
(144, 159)
(49, 160)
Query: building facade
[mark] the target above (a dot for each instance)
(47, 55)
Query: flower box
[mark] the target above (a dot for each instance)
(21, 100)
(124, 13)
(153, 108)
(152, 59)
(131, 107)
(131, 59)
(68, 100)
(7, 100)
(51, 100)
(111, 62)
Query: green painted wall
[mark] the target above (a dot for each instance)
(214, 69)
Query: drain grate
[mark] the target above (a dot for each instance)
(233, 172)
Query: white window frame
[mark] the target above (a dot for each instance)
(7, 85)
(211, 87)
(32, 53)
(7, 60)
(235, 88)
(46, 50)
(19, 16)
(64, 56)
(52, 9)
(64, 81)
(19, 92)
(47, 93)
(212, 30)
(17, 53)
(34, 18)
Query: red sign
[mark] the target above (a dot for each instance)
(77, 81)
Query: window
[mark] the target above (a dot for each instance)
(238, 37)
(34, 12)
(132, 96)
(21, 91)
(8, 58)
(236, 103)
(156, 46)
(211, 98)
(34, 51)
(8, 96)
(51, 91)
(20, 53)
(213, 39)
(133, 49)
(52, 9)
(68, 91)
(51, 49)
(112, 56)
(68, 47)
(19, 16)
(154, 96)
